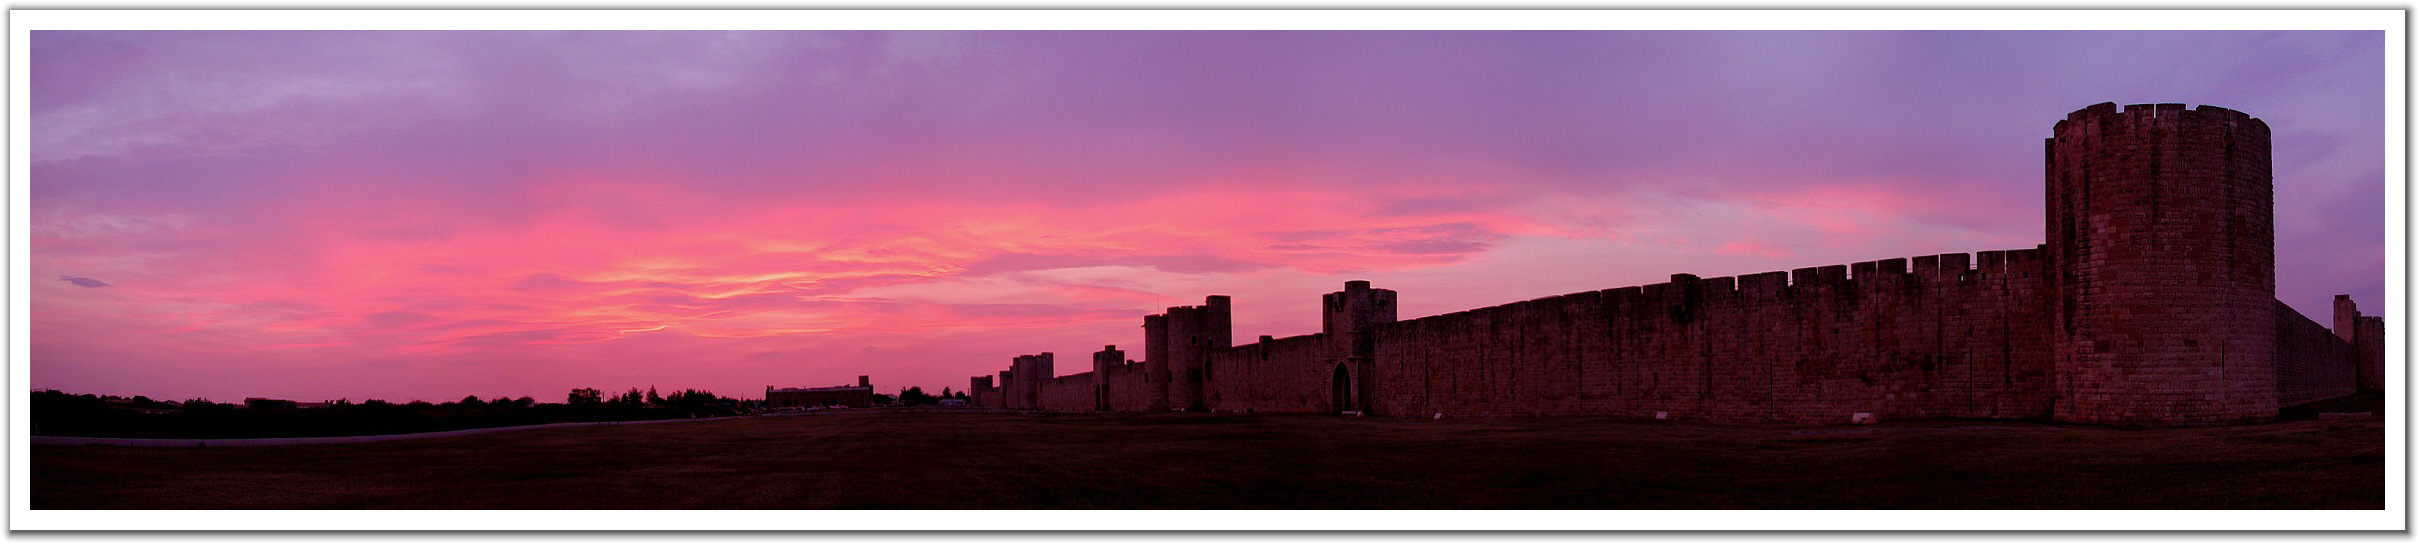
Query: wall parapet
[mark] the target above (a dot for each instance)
(1838, 279)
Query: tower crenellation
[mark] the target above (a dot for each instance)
(1353, 310)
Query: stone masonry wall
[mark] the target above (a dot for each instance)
(2160, 225)
(2310, 360)
(1942, 340)
(1291, 374)
(1128, 389)
(1074, 393)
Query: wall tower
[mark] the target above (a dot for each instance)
(1346, 319)
(1024, 380)
(1104, 364)
(2163, 249)
(1346, 316)
(1175, 346)
(979, 393)
(2368, 347)
(1155, 362)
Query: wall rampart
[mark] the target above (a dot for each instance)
(2311, 361)
(1128, 388)
(1070, 393)
(1292, 374)
(1941, 339)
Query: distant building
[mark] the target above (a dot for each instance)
(258, 403)
(857, 396)
(267, 403)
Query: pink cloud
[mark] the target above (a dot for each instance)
(373, 268)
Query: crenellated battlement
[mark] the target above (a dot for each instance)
(2106, 115)
(1845, 280)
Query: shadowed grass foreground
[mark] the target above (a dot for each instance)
(939, 460)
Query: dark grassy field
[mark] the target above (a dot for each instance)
(941, 460)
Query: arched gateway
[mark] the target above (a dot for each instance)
(1340, 394)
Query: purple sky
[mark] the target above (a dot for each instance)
(399, 215)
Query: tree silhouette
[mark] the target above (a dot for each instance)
(63, 414)
(629, 400)
(914, 396)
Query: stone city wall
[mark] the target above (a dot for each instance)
(2311, 362)
(2152, 303)
(1940, 340)
(1290, 374)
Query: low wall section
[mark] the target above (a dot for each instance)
(1070, 393)
(1127, 384)
(2312, 362)
(1292, 374)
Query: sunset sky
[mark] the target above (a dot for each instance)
(425, 215)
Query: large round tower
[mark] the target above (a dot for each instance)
(2163, 250)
